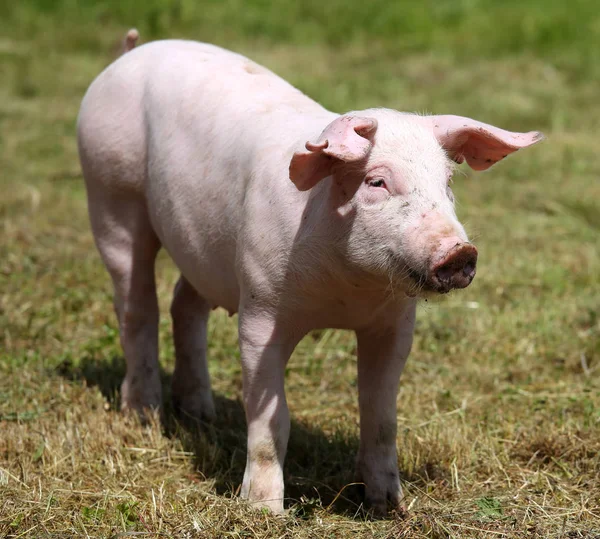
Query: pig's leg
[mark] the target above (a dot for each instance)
(128, 246)
(381, 357)
(191, 382)
(265, 352)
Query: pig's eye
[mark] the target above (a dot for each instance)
(376, 182)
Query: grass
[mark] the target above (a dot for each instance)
(499, 408)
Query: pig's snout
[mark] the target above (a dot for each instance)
(455, 269)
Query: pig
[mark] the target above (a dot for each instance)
(293, 216)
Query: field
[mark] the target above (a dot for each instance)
(499, 407)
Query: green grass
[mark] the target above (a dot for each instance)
(499, 408)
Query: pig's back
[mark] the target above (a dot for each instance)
(175, 100)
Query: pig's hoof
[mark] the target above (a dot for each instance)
(383, 492)
(274, 507)
(263, 488)
(146, 401)
(381, 502)
(384, 508)
(198, 406)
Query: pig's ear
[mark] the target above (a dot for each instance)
(480, 145)
(347, 139)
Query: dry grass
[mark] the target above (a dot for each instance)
(499, 409)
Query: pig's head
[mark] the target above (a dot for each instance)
(387, 177)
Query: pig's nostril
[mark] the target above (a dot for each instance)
(445, 273)
(457, 269)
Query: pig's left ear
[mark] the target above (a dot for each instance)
(347, 138)
(480, 145)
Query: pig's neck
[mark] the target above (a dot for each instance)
(323, 287)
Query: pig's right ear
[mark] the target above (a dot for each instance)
(347, 139)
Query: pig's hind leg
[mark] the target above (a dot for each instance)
(192, 396)
(129, 246)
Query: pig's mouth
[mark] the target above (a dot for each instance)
(418, 283)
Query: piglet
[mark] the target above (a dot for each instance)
(273, 207)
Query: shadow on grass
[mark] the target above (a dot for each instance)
(319, 469)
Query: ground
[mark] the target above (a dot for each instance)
(499, 407)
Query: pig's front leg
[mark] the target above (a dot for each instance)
(382, 354)
(265, 352)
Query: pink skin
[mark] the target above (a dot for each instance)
(192, 148)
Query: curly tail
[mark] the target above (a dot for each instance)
(130, 40)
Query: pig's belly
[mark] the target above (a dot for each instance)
(203, 247)
(213, 277)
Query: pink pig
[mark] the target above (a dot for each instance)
(192, 148)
